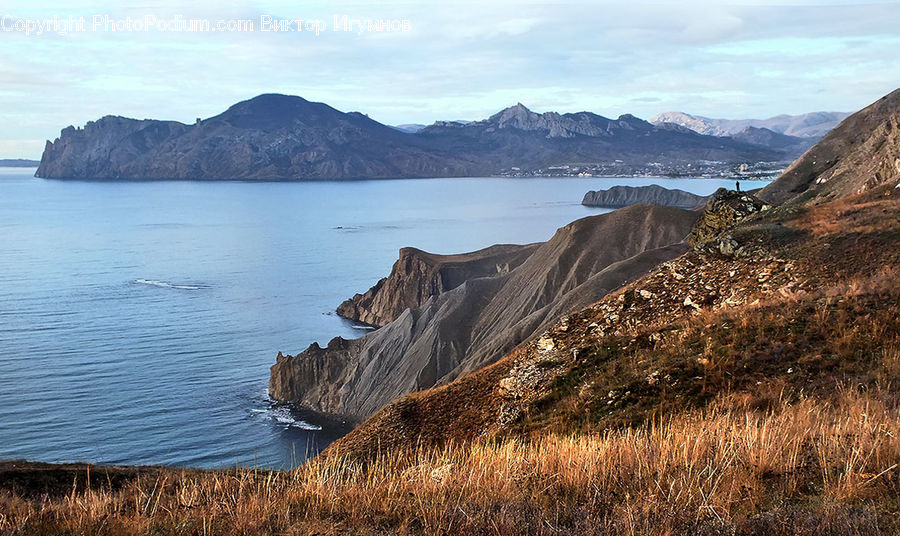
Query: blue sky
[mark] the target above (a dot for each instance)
(459, 60)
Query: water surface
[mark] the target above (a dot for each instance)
(138, 320)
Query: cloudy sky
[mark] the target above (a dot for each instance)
(458, 60)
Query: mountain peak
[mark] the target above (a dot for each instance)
(271, 111)
(517, 116)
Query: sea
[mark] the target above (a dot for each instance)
(138, 320)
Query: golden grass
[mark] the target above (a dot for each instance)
(813, 467)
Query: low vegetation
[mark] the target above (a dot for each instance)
(808, 467)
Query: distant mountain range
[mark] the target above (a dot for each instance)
(18, 162)
(280, 137)
(811, 125)
(412, 128)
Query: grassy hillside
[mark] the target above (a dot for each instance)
(806, 467)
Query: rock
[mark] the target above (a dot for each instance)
(688, 302)
(724, 210)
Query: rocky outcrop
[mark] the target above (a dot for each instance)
(418, 275)
(861, 154)
(623, 196)
(724, 210)
(472, 325)
(284, 137)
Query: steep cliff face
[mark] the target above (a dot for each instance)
(418, 275)
(862, 153)
(623, 196)
(464, 329)
(104, 148)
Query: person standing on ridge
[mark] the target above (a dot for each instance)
(737, 186)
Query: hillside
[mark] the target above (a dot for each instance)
(765, 137)
(746, 256)
(280, 137)
(861, 154)
(749, 386)
(477, 322)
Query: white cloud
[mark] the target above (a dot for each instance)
(461, 60)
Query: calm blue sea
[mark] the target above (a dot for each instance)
(138, 320)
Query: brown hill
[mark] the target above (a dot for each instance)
(472, 325)
(418, 275)
(862, 153)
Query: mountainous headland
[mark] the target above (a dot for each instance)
(280, 137)
(467, 323)
(745, 251)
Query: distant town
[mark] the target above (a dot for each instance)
(707, 169)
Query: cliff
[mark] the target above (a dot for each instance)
(418, 275)
(472, 325)
(623, 196)
(285, 137)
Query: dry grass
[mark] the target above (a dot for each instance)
(778, 417)
(806, 468)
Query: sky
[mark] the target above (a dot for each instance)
(440, 59)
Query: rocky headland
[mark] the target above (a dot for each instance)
(483, 316)
(623, 196)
